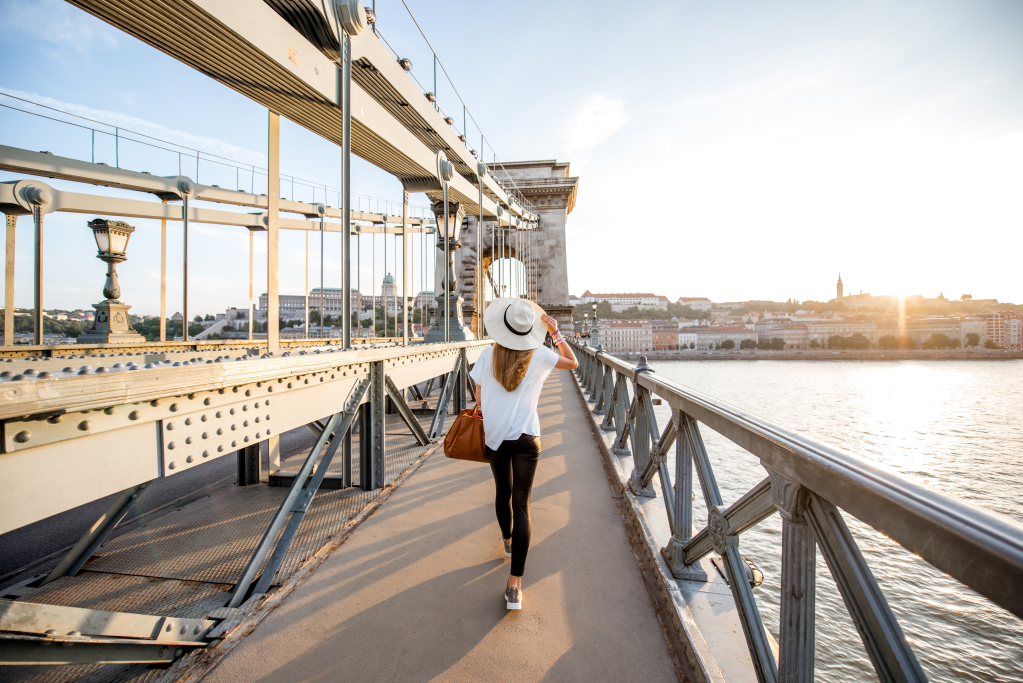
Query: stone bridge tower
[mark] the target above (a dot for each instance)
(548, 185)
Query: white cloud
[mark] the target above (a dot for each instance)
(593, 122)
(57, 22)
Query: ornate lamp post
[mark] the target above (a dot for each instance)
(111, 324)
(449, 324)
(586, 324)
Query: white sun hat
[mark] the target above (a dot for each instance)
(515, 323)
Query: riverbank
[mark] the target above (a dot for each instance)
(872, 354)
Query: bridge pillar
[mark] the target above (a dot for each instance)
(552, 192)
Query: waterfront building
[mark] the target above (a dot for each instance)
(621, 302)
(687, 338)
(795, 335)
(664, 334)
(1005, 329)
(697, 303)
(709, 337)
(625, 336)
(825, 329)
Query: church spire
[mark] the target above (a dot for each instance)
(838, 297)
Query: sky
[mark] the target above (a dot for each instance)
(735, 150)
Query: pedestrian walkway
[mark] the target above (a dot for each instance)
(416, 592)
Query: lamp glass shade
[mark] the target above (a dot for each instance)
(102, 239)
(119, 241)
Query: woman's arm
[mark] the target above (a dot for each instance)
(567, 360)
(479, 396)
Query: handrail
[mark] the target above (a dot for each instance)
(809, 481)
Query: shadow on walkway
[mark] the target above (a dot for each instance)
(416, 593)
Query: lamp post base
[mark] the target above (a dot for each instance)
(111, 326)
(457, 329)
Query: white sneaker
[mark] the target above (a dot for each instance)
(513, 596)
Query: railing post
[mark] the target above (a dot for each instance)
(600, 398)
(611, 401)
(641, 448)
(674, 553)
(641, 437)
(798, 583)
(623, 418)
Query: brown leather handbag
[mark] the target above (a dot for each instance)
(465, 438)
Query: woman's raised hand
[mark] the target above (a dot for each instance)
(552, 324)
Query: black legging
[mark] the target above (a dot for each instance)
(513, 465)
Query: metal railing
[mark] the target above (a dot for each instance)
(190, 159)
(809, 484)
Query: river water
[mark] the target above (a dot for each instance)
(957, 426)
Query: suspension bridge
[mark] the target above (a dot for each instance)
(280, 508)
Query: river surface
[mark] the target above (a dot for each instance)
(957, 426)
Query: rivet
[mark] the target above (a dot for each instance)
(231, 411)
(133, 415)
(257, 419)
(188, 459)
(155, 403)
(170, 425)
(109, 411)
(218, 414)
(246, 439)
(188, 439)
(289, 385)
(23, 436)
(219, 432)
(206, 401)
(170, 625)
(266, 403)
(84, 425)
(234, 444)
(205, 435)
(220, 449)
(54, 419)
(248, 392)
(172, 465)
(245, 423)
(203, 418)
(188, 420)
(232, 428)
(174, 407)
(245, 407)
(170, 446)
(268, 432)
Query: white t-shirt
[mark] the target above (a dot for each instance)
(509, 415)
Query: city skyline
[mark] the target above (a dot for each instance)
(888, 134)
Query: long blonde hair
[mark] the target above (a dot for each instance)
(510, 366)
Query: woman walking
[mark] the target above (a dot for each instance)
(510, 375)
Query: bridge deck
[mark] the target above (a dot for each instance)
(415, 593)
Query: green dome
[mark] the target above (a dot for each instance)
(388, 279)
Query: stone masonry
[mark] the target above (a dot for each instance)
(552, 191)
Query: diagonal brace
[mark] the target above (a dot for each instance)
(299, 493)
(753, 507)
(98, 533)
(398, 401)
(441, 413)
